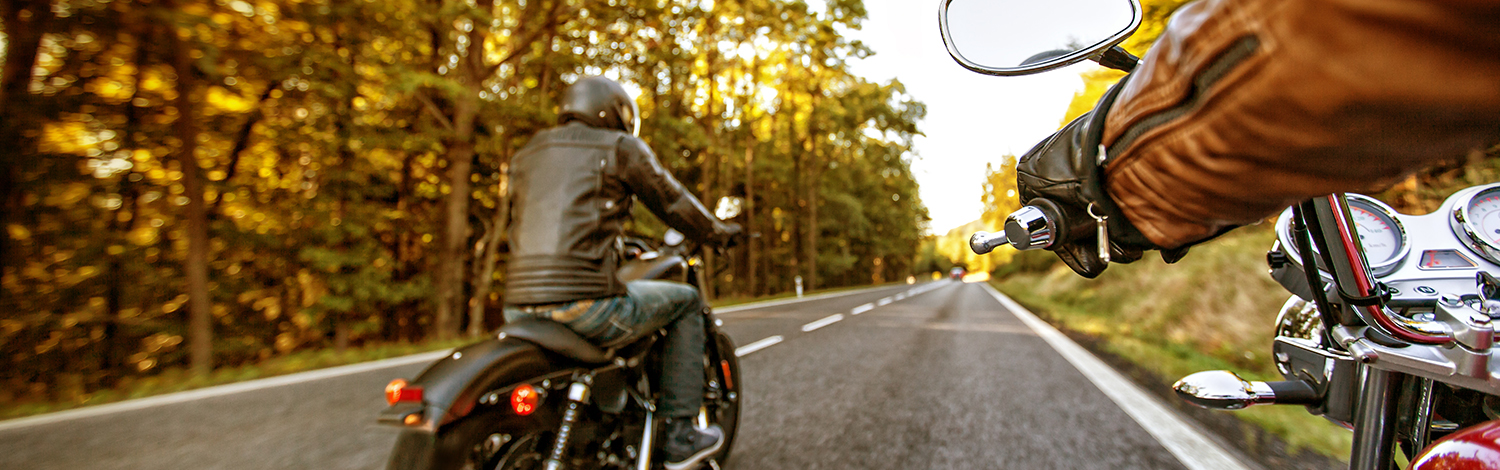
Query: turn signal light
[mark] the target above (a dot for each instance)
(523, 399)
(398, 391)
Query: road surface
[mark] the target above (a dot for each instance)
(934, 375)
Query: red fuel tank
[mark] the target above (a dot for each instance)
(1474, 448)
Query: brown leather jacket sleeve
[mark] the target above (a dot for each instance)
(655, 187)
(1244, 107)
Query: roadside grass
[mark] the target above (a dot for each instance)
(178, 379)
(1213, 310)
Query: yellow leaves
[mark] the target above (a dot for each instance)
(18, 232)
(226, 101)
(174, 304)
(68, 195)
(70, 137)
(143, 236)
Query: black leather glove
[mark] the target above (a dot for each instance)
(1064, 174)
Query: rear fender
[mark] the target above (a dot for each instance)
(452, 386)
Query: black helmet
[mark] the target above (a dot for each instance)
(600, 102)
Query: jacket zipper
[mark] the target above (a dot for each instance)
(1242, 49)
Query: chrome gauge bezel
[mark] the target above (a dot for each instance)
(1465, 229)
(1379, 268)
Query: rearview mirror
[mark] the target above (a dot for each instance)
(1020, 37)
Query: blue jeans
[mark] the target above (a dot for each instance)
(647, 306)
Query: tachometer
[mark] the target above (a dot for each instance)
(1379, 231)
(1476, 222)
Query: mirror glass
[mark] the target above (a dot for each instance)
(1014, 34)
(729, 207)
(673, 237)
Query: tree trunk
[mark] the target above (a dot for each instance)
(450, 277)
(485, 277)
(460, 159)
(25, 22)
(200, 307)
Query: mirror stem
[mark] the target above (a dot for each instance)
(1117, 58)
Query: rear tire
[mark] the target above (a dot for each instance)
(725, 410)
(488, 442)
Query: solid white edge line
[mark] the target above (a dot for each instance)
(221, 390)
(745, 350)
(1182, 439)
(828, 320)
(862, 309)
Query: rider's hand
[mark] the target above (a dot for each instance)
(728, 234)
(1067, 170)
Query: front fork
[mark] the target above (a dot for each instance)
(1375, 421)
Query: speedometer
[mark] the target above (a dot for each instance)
(1476, 221)
(1380, 233)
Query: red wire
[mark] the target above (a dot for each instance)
(1362, 283)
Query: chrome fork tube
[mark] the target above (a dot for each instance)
(1375, 421)
(644, 463)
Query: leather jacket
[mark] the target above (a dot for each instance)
(1244, 107)
(572, 193)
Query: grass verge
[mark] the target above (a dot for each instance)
(177, 380)
(1213, 310)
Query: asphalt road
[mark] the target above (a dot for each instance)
(935, 375)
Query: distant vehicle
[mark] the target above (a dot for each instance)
(956, 273)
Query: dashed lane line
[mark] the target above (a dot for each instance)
(862, 309)
(883, 302)
(742, 351)
(829, 320)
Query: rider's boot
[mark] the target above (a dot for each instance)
(687, 446)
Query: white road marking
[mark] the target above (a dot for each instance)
(883, 302)
(1183, 440)
(829, 320)
(901, 296)
(862, 309)
(222, 390)
(742, 351)
(229, 389)
(773, 303)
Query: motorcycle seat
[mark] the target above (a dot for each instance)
(558, 338)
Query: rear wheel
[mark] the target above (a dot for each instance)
(724, 407)
(488, 442)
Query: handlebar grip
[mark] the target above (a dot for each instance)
(985, 242)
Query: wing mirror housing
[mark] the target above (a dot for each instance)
(1022, 37)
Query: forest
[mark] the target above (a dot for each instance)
(192, 184)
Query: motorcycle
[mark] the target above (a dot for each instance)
(536, 395)
(1390, 328)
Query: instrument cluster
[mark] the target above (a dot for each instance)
(1420, 256)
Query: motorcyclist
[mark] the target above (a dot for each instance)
(1244, 107)
(573, 189)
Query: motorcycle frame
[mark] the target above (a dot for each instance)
(484, 373)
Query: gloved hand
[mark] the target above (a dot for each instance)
(728, 234)
(1065, 174)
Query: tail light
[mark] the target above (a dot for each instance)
(399, 391)
(523, 399)
(728, 380)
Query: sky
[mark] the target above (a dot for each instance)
(972, 119)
